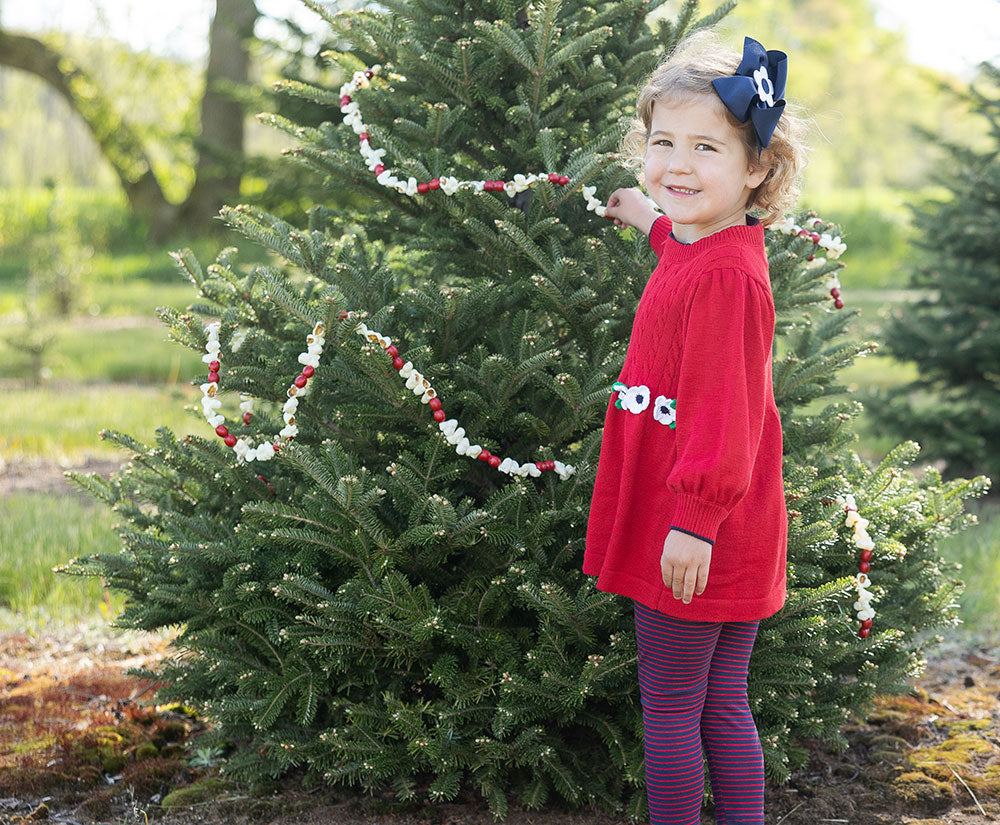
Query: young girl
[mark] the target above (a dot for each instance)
(688, 514)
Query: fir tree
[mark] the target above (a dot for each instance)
(953, 334)
(384, 612)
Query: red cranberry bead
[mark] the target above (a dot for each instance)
(363, 137)
(379, 170)
(811, 258)
(213, 378)
(563, 180)
(423, 187)
(369, 74)
(230, 440)
(344, 100)
(221, 431)
(276, 446)
(838, 304)
(553, 177)
(342, 314)
(392, 350)
(308, 371)
(246, 418)
(484, 455)
(300, 381)
(435, 183)
(398, 363)
(866, 623)
(439, 415)
(493, 461)
(261, 478)
(866, 555)
(540, 465)
(834, 292)
(864, 631)
(434, 403)
(864, 567)
(214, 366)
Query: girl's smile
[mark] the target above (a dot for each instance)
(697, 169)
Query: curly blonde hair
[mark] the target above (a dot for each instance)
(690, 70)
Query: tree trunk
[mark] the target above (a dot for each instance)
(219, 164)
(220, 145)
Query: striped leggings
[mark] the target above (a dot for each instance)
(693, 683)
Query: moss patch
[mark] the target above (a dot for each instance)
(200, 791)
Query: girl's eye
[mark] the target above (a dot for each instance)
(664, 140)
(705, 146)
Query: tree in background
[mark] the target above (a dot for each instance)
(218, 164)
(953, 333)
(856, 80)
(394, 600)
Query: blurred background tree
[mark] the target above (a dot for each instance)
(952, 333)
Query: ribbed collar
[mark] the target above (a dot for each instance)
(749, 234)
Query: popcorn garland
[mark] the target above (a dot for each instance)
(244, 448)
(449, 185)
(833, 246)
(265, 450)
(861, 538)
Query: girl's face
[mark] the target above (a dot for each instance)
(697, 170)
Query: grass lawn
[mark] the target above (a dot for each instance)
(44, 530)
(61, 423)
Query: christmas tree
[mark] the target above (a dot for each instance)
(379, 585)
(953, 333)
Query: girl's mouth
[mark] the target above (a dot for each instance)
(680, 190)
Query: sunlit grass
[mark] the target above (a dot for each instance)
(62, 423)
(131, 354)
(40, 531)
(978, 551)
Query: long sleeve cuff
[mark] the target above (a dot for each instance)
(658, 233)
(698, 517)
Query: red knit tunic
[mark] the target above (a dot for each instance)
(702, 335)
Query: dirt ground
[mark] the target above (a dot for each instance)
(929, 757)
(37, 476)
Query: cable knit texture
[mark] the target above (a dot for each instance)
(702, 334)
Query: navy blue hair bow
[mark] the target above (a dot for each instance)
(755, 91)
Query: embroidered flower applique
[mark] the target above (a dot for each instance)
(633, 399)
(665, 411)
(636, 400)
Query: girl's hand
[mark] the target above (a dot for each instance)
(630, 207)
(684, 564)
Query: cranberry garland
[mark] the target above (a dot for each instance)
(866, 544)
(832, 245)
(454, 434)
(246, 451)
(243, 447)
(448, 185)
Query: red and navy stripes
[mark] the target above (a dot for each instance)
(693, 684)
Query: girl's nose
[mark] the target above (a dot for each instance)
(678, 161)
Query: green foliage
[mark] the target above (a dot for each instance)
(953, 331)
(385, 613)
(861, 93)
